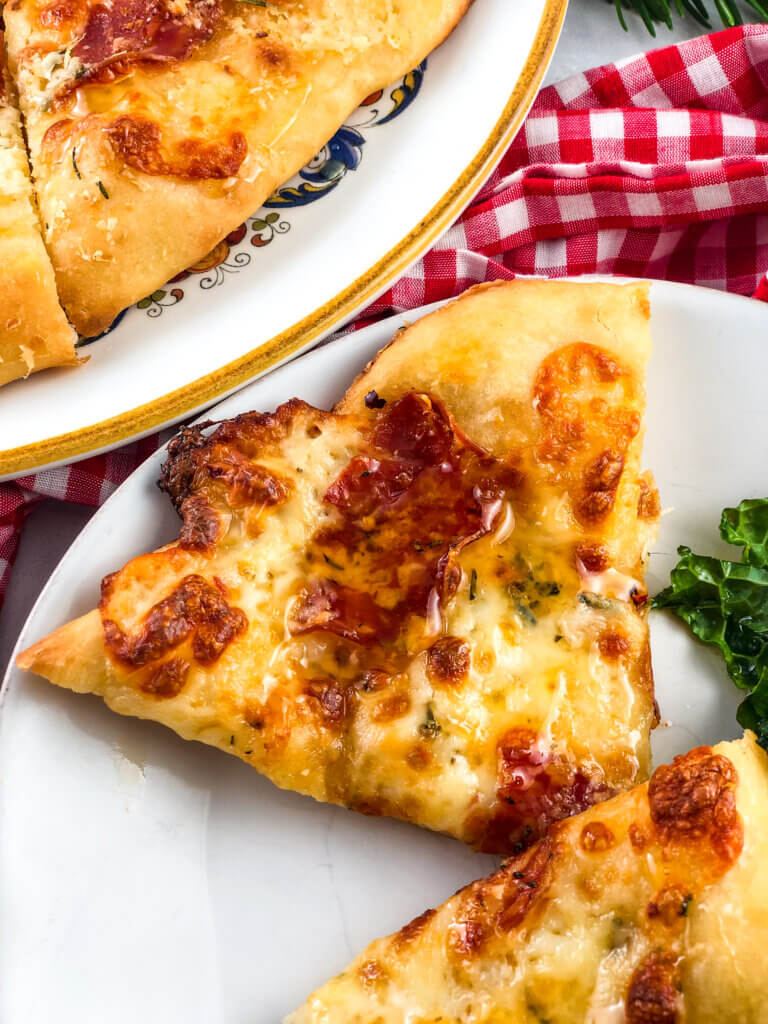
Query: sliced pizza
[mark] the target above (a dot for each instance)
(428, 603)
(34, 333)
(649, 909)
(158, 126)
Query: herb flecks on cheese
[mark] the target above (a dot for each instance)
(397, 598)
(639, 911)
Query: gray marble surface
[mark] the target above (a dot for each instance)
(591, 36)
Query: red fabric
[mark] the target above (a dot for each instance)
(654, 167)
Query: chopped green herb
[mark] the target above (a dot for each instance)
(547, 589)
(434, 543)
(333, 565)
(473, 585)
(366, 472)
(596, 601)
(726, 604)
(254, 3)
(417, 546)
(429, 728)
(685, 904)
(525, 613)
(102, 188)
(74, 163)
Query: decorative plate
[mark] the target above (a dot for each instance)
(325, 244)
(149, 879)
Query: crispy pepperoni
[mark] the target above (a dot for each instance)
(366, 484)
(136, 140)
(143, 29)
(333, 608)
(653, 995)
(409, 505)
(193, 611)
(693, 800)
(534, 788)
(448, 660)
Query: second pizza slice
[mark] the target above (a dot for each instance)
(158, 126)
(428, 603)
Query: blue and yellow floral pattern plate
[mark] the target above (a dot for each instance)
(326, 243)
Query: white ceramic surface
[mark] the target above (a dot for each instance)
(408, 164)
(148, 879)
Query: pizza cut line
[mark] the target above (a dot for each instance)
(34, 333)
(427, 603)
(142, 115)
(649, 908)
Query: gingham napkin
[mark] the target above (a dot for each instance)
(654, 167)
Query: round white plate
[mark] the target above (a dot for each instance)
(148, 879)
(381, 191)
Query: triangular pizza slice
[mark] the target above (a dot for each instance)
(428, 603)
(158, 126)
(34, 333)
(649, 909)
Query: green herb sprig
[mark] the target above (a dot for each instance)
(662, 12)
(725, 604)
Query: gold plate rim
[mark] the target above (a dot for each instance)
(169, 408)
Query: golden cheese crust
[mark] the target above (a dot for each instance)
(157, 126)
(647, 909)
(428, 603)
(34, 333)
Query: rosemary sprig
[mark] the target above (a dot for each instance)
(660, 12)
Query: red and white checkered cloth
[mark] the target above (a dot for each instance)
(654, 167)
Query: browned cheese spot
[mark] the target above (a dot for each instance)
(653, 996)
(448, 660)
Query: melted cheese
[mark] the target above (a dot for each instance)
(589, 946)
(538, 703)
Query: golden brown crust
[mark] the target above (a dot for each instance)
(275, 83)
(34, 333)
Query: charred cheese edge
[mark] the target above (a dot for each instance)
(427, 604)
(147, 152)
(34, 333)
(650, 908)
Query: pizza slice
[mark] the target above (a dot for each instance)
(158, 126)
(428, 603)
(34, 333)
(649, 909)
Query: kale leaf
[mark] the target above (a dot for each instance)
(726, 604)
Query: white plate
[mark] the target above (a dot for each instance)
(401, 171)
(148, 879)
